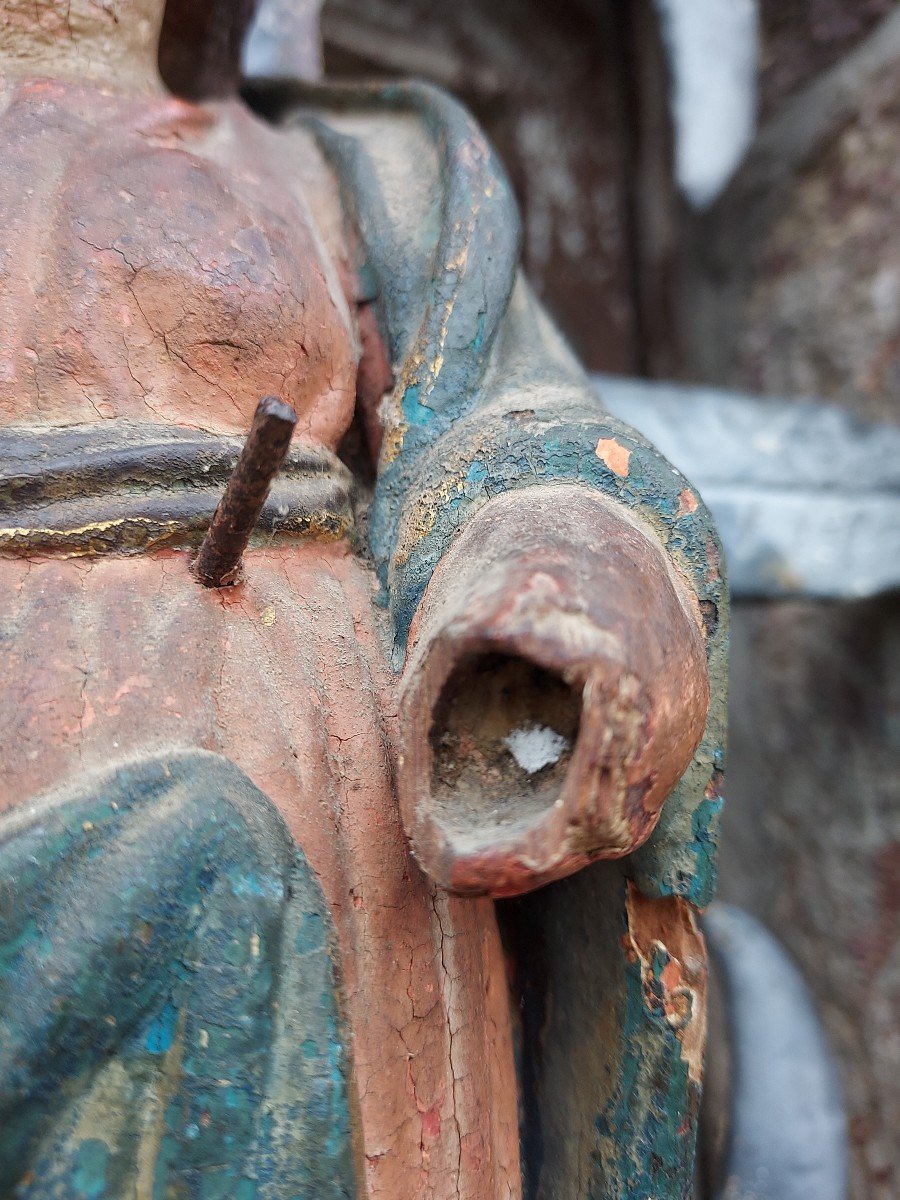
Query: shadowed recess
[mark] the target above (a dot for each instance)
(502, 738)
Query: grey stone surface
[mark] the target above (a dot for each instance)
(807, 499)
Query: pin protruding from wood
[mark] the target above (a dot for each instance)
(218, 562)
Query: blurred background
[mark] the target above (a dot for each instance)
(711, 196)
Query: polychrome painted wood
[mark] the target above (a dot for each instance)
(163, 265)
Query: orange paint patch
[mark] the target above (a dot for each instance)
(431, 1123)
(687, 502)
(667, 926)
(615, 455)
(132, 682)
(670, 976)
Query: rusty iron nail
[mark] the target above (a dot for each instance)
(218, 561)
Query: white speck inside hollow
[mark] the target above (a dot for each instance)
(536, 746)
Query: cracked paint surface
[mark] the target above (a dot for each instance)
(172, 278)
(304, 703)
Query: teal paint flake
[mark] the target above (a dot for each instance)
(480, 326)
(413, 410)
(161, 1031)
(704, 846)
(89, 1173)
